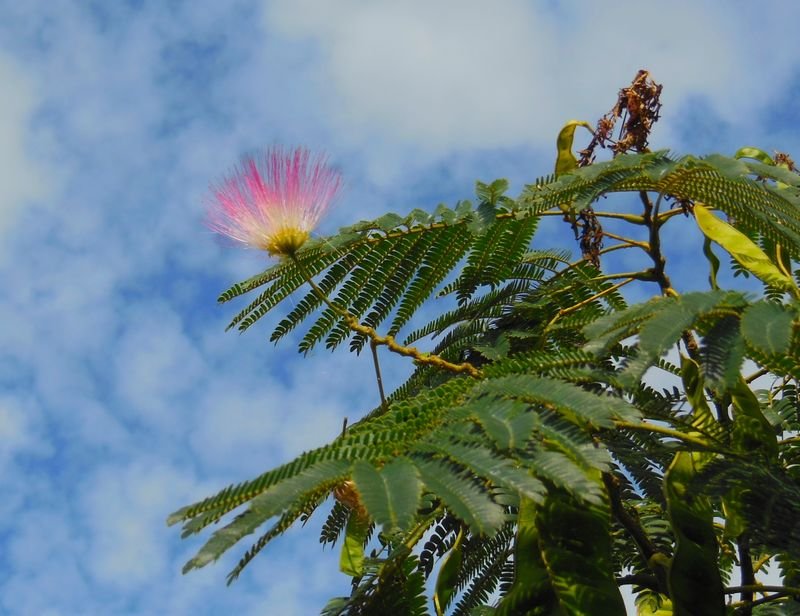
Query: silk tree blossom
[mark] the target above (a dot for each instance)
(274, 200)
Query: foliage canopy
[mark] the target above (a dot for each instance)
(529, 464)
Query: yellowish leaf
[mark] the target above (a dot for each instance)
(741, 248)
(566, 161)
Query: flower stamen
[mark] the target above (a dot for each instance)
(273, 201)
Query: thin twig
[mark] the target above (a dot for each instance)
(634, 219)
(640, 579)
(426, 359)
(676, 434)
(378, 377)
(643, 245)
(564, 311)
(646, 275)
(665, 216)
(761, 588)
(761, 562)
(778, 596)
(756, 374)
(589, 300)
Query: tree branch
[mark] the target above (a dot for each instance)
(640, 579)
(748, 577)
(647, 548)
(659, 261)
(426, 359)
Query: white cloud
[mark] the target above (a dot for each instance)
(20, 430)
(248, 420)
(46, 574)
(155, 363)
(22, 179)
(124, 510)
(434, 74)
(468, 74)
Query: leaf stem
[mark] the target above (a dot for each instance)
(634, 219)
(419, 357)
(564, 311)
(646, 275)
(761, 562)
(757, 374)
(666, 431)
(665, 216)
(760, 588)
(643, 245)
(589, 300)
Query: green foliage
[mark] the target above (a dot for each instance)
(391, 494)
(351, 560)
(554, 470)
(695, 583)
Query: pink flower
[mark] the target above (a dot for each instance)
(274, 200)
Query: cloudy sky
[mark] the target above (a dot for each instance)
(121, 397)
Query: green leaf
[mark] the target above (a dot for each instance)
(390, 495)
(664, 328)
(497, 349)
(491, 193)
(653, 605)
(445, 213)
(418, 216)
(703, 419)
(462, 496)
(269, 503)
(722, 353)
(713, 262)
(741, 248)
(566, 473)
(767, 327)
(500, 471)
(752, 433)
(531, 587)
(351, 559)
(448, 576)
(604, 332)
(576, 404)
(694, 579)
(575, 541)
(507, 422)
(566, 163)
(389, 221)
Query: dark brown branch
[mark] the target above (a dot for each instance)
(650, 215)
(646, 547)
(748, 577)
(640, 579)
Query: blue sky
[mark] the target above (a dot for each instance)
(121, 397)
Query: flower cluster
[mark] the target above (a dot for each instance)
(274, 200)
